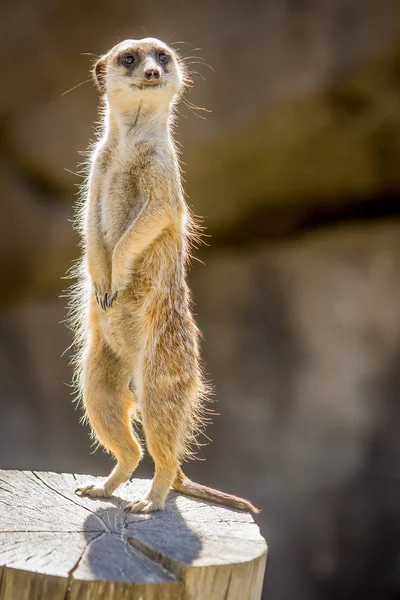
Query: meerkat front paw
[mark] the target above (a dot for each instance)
(146, 505)
(106, 299)
(91, 491)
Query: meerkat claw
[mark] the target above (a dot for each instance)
(104, 301)
(91, 491)
(98, 296)
(111, 298)
(107, 299)
(146, 505)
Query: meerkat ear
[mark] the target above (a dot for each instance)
(99, 75)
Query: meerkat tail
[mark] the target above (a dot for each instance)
(184, 485)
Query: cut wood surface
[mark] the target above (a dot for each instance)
(55, 545)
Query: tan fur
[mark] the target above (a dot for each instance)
(139, 342)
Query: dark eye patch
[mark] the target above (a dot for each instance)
(128, 59)
(163, 57)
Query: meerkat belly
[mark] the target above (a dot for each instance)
(121, 333)
(121, 326)
(121, 203)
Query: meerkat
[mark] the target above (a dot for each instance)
(139, 355)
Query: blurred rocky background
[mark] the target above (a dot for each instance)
(297, 172)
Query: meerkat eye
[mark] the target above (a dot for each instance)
(127, 60)
(163, 57)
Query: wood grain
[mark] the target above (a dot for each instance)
(55, 545)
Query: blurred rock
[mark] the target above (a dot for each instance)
(302, 340)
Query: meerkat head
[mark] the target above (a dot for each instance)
(139, 71)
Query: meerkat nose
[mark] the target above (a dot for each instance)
(152, 74)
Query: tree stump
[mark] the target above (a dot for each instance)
(55, 545)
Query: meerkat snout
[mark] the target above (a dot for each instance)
(152, 74)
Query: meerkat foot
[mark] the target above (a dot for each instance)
(145, 505)
(91, 491)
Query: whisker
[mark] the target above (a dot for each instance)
(198, 259)
(198, 74)
(187, 60)
(76, 86)
(203, 63)
(75, 173)
(188, 57)
(181, 114)
(197, 107)
(195, 113)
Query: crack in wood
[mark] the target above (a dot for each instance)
(226, 596)
(76, 565)
(7, 504)
(168, 565)
(8, 531)
(4, 481)
(2, 569)
(69, 499)
(171, 566)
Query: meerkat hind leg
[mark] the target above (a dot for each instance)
(154, 500)
(109, 404)
(162, 444)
